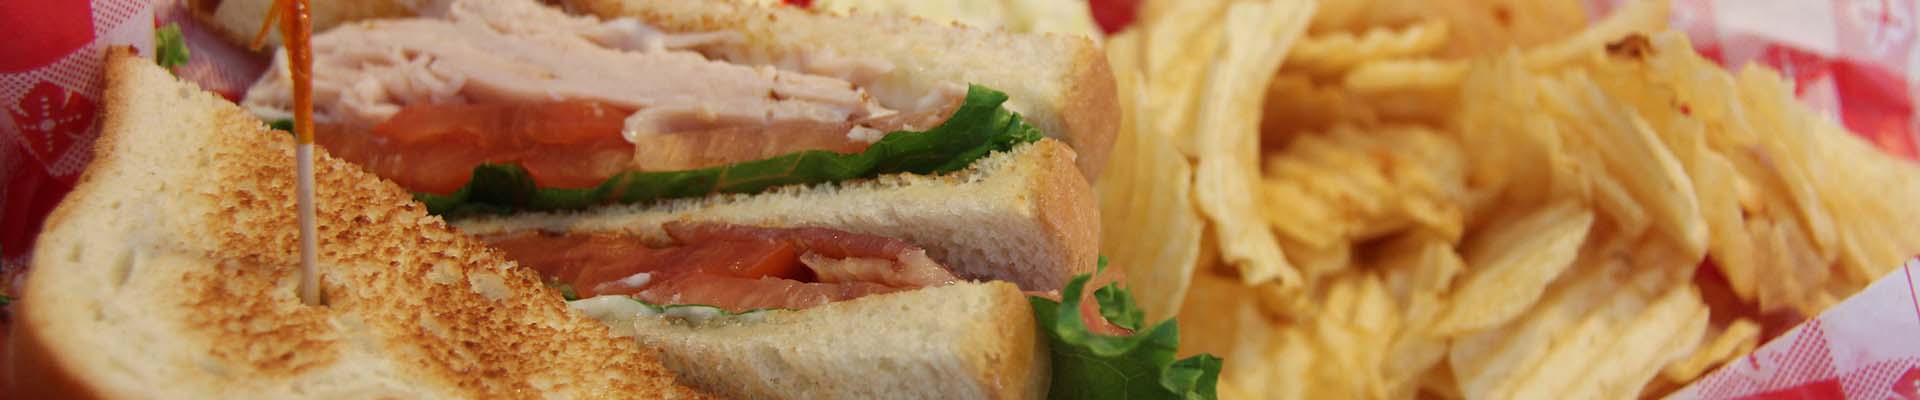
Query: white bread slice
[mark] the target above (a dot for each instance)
(169, 273)
(961, 341)
(1023, 216)
(1060, 83)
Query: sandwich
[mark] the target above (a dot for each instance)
(934, 155)
(168, 274)
(935, 245)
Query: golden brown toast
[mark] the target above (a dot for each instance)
(169, 272)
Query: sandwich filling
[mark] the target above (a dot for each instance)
(575, 101)
(732, 267)
(739, 268)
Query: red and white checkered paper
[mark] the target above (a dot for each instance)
(50, 94)
(1867, 347)
(50, 88)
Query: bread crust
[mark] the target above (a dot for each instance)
(1067, 208)
(1016, 364)
(1092, 110)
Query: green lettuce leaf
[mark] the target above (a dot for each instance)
(1087, 365)
(1117, 306)
(169, 47)
(980, 126)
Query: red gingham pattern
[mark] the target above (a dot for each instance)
(78, 72)
(1878, 380)
(1808, 359)
(1863, 348)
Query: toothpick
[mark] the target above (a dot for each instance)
(296, 31)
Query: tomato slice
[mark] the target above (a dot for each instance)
(754, 259)
(728, 266)
(559, 122)
(433, 148)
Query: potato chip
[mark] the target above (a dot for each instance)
(1337, 16)
(1417, 268)
(1582, 311)
(1633, 152)
(1352, 336)
(1149, 225)
(1484, 363)
(1732, 248)
(1484, 27)
(1438, 383)
(1511, 263)
(1666, 330)
(1295, 104)
(1636, 16)
(1736, 339)
(1613, 357)
(1398, 74)
(1785, 135)
(1330, 54)
(1179, 50)
(1256, 36)
(1316, 263)
(1795, 276)
(1502, 139)
(1327, 191)
(1411, 105)
(1211, 304)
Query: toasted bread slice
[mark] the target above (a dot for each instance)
(960, 341)
(1023, 216)
(169, 272)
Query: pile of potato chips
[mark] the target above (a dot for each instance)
(1477, 198)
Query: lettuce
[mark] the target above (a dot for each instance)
(980, 126)
(1093, 366)
(169, 47)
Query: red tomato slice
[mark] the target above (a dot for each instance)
(576, 165)
(728, 266)
(589, 261)
(434, 148)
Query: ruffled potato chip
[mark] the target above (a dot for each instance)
(1256, 36)
(1330, 54)
(1149, 224)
